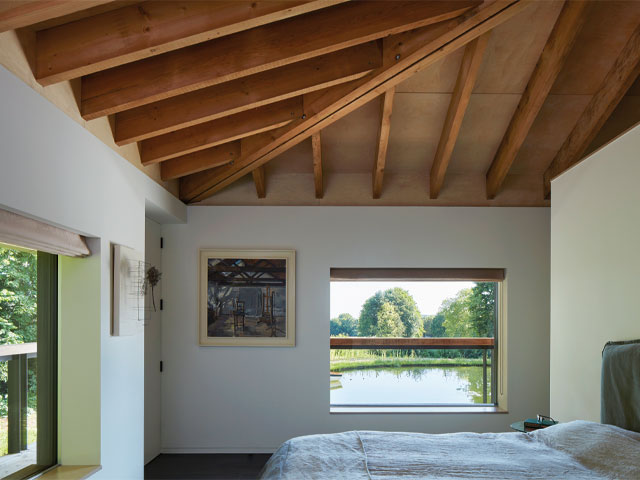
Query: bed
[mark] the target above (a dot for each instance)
(573, 450)
(579, 449)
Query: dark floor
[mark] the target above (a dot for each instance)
(205, 466)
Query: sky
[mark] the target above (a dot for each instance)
(348, 297)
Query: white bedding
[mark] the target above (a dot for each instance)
(574, 450)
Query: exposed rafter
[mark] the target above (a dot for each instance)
(552, 58)
(383, 141)
(624, 72)
(18, 14)
(316, 147)
(246, 93)
(199, 161)
(139, 31)
(404, 54)
(465, 82)
(259, 49)
(259, 180)
(222, 130)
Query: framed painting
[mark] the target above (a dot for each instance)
(247, 298)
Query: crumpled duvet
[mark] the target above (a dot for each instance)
(574, 450)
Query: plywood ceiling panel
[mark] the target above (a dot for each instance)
(400, 189)
(555, 121)
(438, 78)
(349, 145)
(634, 90)
(484, 124)
(297, 159)
(608, 27)
(625, 116)
(511, 55)
(416, 126)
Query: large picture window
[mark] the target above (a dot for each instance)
(414, 337)
(28, 353)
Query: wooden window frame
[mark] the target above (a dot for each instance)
(47, 371)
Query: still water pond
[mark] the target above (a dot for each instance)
(405, 385)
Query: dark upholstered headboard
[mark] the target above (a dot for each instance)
(620, 393)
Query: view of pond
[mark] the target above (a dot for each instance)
(406, 385)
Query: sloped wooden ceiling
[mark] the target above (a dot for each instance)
(335, 102)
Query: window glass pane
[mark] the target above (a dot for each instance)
(448, 359)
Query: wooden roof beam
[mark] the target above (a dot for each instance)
(467, 76)
(259, 49)
(552, 58)
(246, 93)
(404, 55)
(316, 147)
(383, 141)
(624, 72)
(259, 180)
(18, 14)
(151, 28)
(200, 160)
(217, 132)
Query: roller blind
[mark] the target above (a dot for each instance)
(26, 232)
(417, 274)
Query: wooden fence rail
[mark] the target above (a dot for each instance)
(399, 343)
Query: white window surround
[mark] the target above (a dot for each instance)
(501, 337)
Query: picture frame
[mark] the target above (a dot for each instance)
(127, 313)
(246, 297)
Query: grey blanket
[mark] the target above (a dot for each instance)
(620, 396)
(576, 450)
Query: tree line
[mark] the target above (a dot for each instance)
(394, 313)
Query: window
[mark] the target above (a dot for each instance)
(28, 353)
(414, 337)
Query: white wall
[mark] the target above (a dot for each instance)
(595, 263)
(54, 170)
(243, 399)
(152, 348)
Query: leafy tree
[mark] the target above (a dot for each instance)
(433, 326)
(18, 296)
(405, 306)
(482, 305)
(368, 322)
(389, 323)
(457, 317)
(345, 325)
(471, 313)
(18, 304)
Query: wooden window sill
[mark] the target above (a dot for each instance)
(69, 472)
(418, 409)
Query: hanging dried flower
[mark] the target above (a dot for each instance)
(151, 279)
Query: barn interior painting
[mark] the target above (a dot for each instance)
(246, 297)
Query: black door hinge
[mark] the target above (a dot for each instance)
(161, 304)
(161, 242)
(161, 365)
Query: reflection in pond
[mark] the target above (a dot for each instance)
(409, 385)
